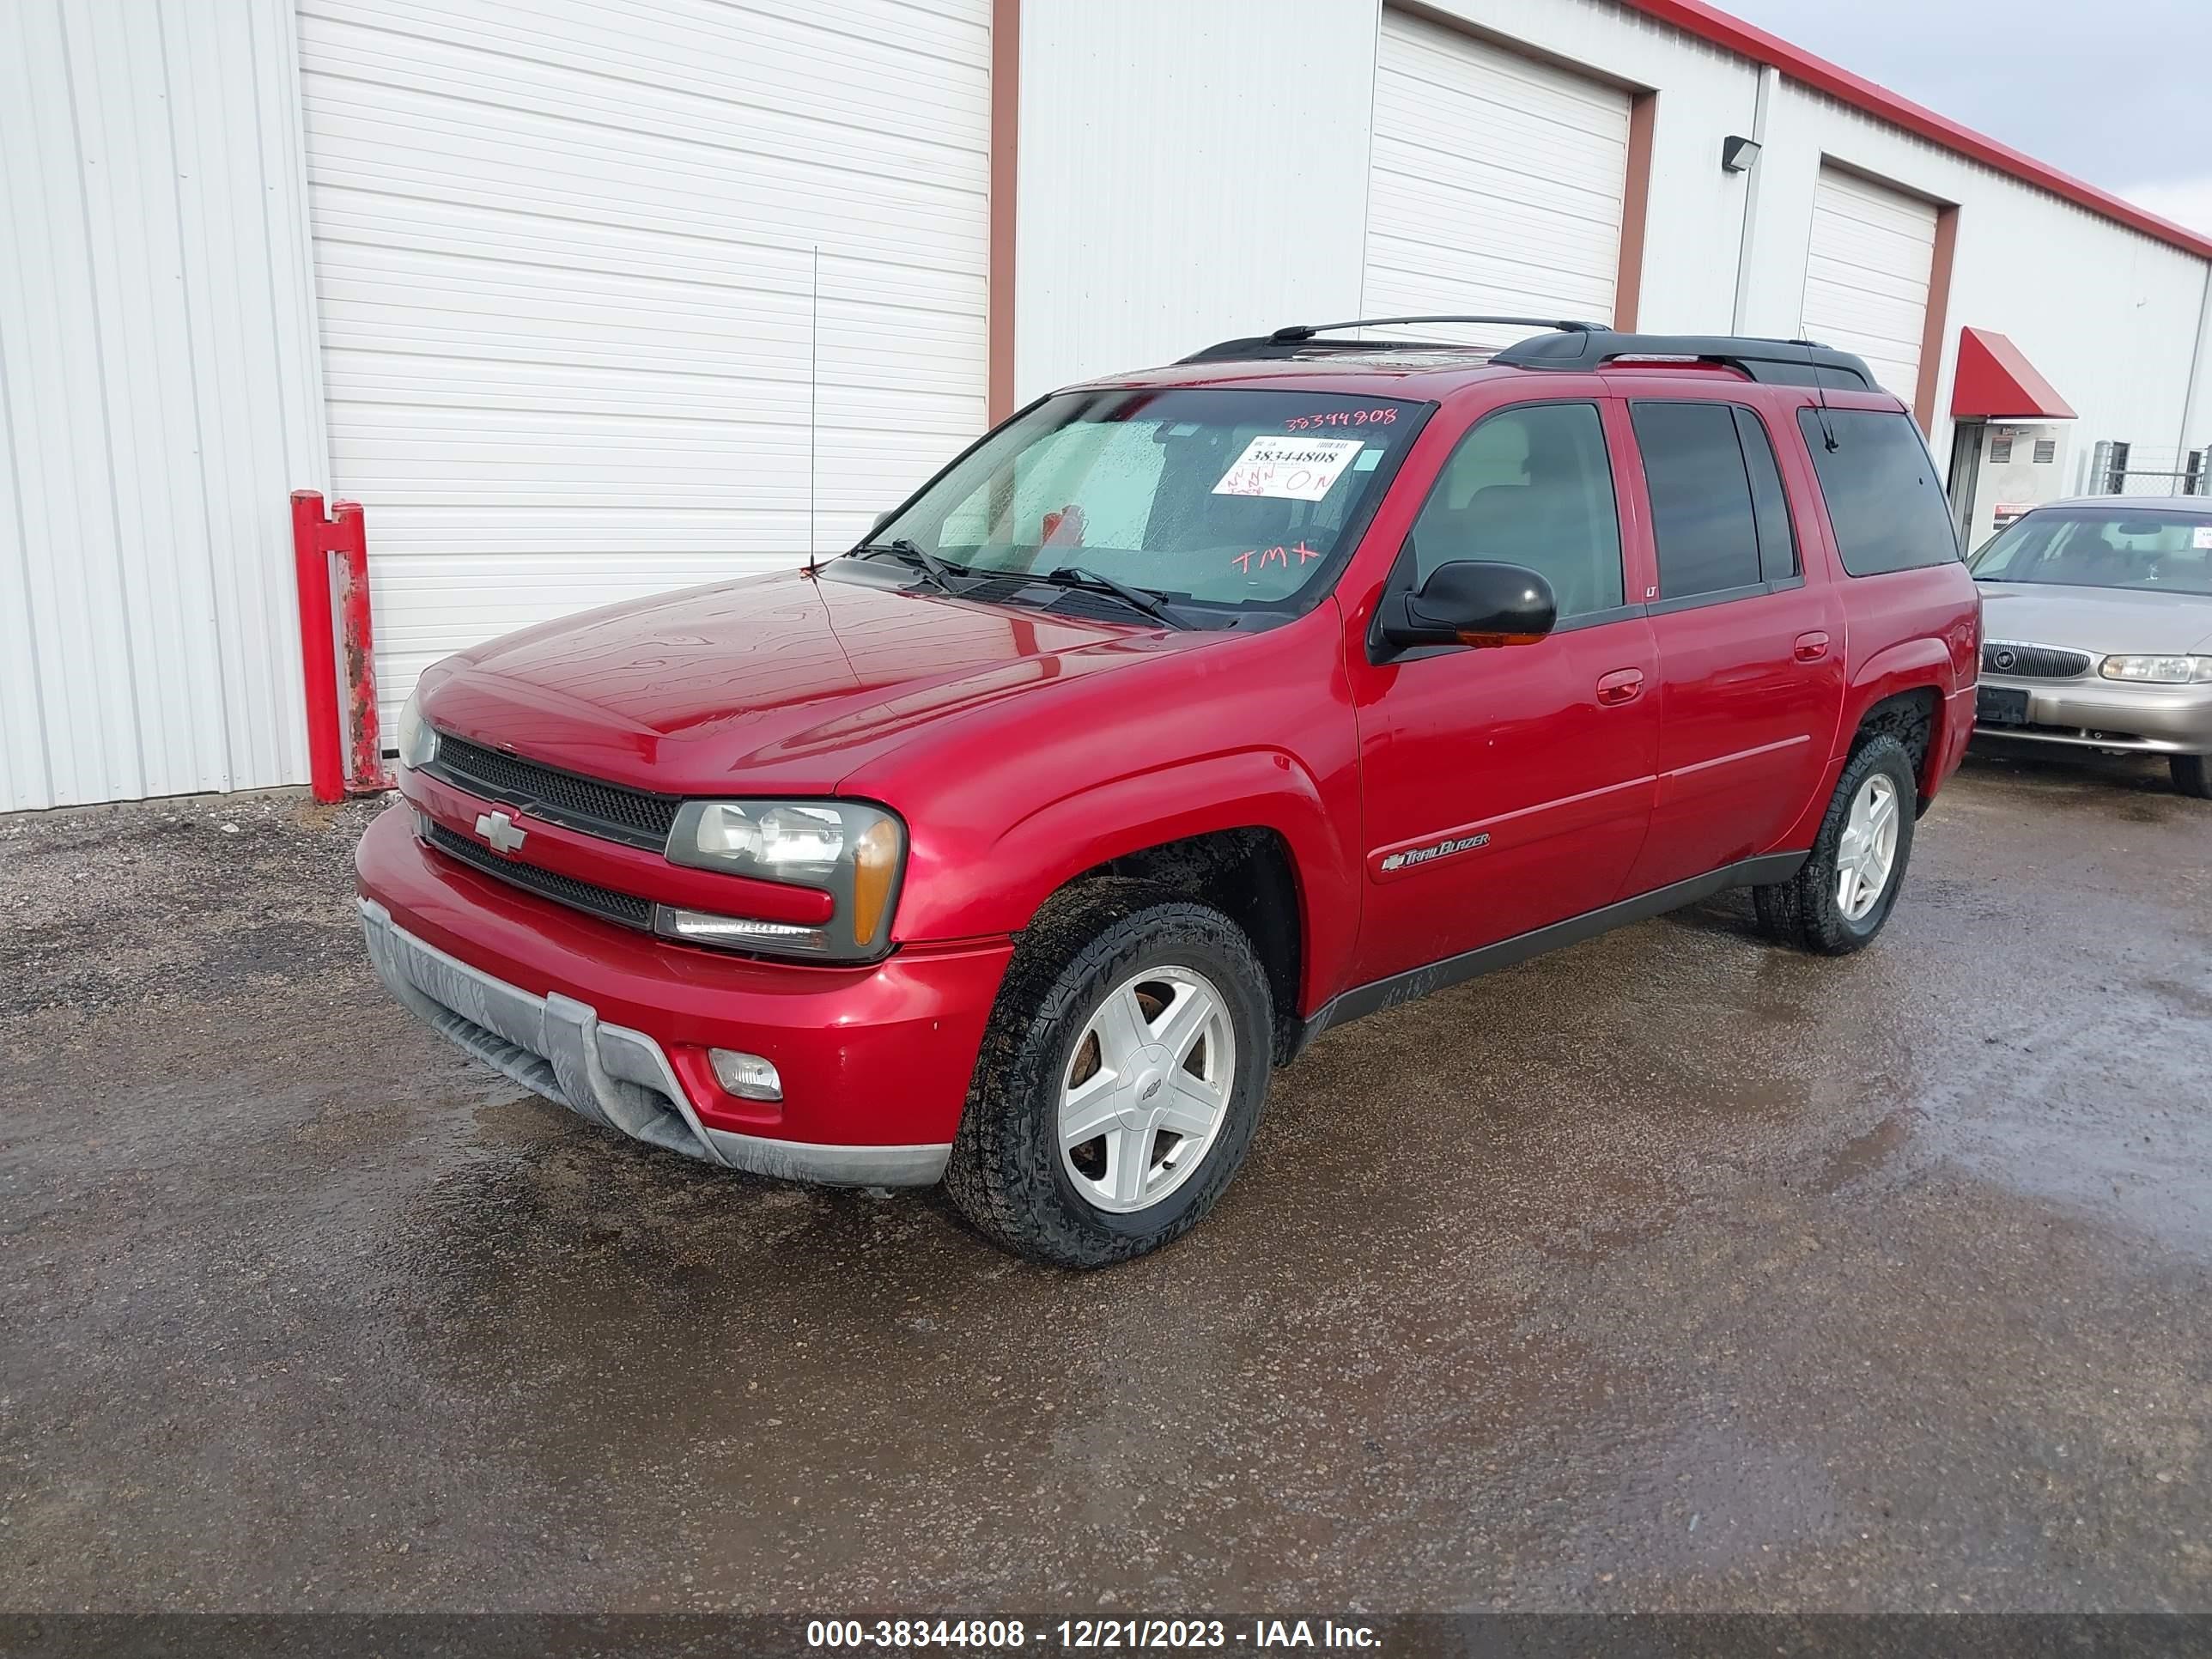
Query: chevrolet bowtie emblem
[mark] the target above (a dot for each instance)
(501, 831)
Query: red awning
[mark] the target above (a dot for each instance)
(1994, 382)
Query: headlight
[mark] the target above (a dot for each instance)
(418, 743)
(853, 852)
(2159, 670)
(776, 841)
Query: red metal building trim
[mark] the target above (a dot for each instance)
(1938, 315)
(1709, 23)
(1005, 140)
(1635, 209)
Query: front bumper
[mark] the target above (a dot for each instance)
(2095, 713)
(616, 1025)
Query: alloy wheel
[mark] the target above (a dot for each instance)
(1867, 852)
(1148, 1089)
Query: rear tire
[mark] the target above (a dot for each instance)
(1865, 836)
(1141, 1016)
(2193, 775)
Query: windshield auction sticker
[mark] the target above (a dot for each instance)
(1290, 469)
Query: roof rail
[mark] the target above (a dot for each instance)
(1307, 330)
(1781, 363)
(1288, 341)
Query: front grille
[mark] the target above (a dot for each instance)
(605, 810)
(602, 902)
(2034, 662)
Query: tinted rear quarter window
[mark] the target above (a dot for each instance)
(1777, 541)
(1884, 502)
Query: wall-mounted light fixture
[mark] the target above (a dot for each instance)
(1738, 154)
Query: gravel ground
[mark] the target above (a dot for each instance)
(1674, 1271)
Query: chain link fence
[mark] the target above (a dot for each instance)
(2124, 469)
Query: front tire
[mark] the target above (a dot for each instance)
(2193, 775)
(1120, 1079)
(1841, 896)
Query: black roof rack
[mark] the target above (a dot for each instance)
(1780, 362)
(1571, 345)
(1289, 342)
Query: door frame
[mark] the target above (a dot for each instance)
(1967, 436)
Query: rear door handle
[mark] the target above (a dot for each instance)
(1620, 686)
(1810, 647)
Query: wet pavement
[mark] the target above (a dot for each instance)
(1675, 1271)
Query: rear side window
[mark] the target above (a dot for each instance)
(1884, 503)
(1703, 523)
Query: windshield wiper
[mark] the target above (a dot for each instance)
(907, 550)
(1137, 598)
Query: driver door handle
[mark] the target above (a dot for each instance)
(1620, 686)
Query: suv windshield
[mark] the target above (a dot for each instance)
(2103, 547)
(1203, 497)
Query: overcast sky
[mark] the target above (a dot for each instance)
(2117, 92)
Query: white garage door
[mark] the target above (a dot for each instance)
(1866, 273)
(564, 254)
(1498, 183)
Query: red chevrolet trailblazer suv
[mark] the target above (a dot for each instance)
(1187, 714)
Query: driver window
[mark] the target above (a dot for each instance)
(1530, 485)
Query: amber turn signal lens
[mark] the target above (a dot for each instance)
(1501, 639)
(875, 861)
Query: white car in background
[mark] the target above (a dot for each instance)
(2097, 630)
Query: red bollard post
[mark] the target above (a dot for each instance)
(310, 562)
(365, 773)
(345, 751)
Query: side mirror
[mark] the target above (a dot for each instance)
(1468, 602)
(875, 529)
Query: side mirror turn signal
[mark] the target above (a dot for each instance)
(1473, 603)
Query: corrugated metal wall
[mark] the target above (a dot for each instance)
(565, 255)
(2105, 312)
(1498, 184)
(159, 397)
(1188, 170)
(1868, 264)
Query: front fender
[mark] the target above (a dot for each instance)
(1265, 788)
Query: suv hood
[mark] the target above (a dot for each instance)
(2103, 620)
(787, 683)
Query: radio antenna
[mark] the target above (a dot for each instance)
(1820, 389)
(813, 380)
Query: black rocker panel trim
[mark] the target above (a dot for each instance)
(1414, 983)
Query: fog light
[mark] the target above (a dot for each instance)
(746, 1076)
